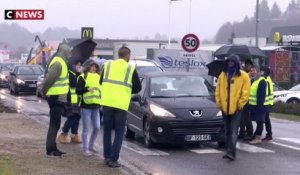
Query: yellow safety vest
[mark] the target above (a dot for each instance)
(271, 92)
(253, 92)
(74, 96)
(92, 80)
(61, 86)
(117, 84)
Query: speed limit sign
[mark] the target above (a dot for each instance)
(190, 42)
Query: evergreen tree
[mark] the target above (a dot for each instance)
(275, 11)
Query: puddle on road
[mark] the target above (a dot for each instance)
(6, 109)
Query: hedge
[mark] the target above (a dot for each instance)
(285, 108)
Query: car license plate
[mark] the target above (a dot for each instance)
(203, 137)
(32, 85)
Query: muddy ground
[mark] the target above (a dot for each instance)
(22, 140)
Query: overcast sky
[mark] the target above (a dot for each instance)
(136, 18)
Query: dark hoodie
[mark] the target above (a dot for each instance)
(235, 70)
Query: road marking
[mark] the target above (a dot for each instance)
(294, 140)
(142, 150)
(252, 149)
(287, 146)
(205, 151)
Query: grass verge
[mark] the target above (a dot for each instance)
(6, 166)
(285, 116)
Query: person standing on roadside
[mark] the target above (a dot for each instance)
(88, 87)
(56, 88)
(232, 93)
(258, 103)
(118, 81)
(73, 119)
(267, 75)
(246, 127)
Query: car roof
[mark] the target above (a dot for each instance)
(142, 62)
(170, 73)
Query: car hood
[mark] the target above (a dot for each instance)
(183, 107)
(185, 102)
(278, 93)
(28, 77)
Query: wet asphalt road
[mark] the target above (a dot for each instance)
(279, 157)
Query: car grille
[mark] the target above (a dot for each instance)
(30, 82)
(196, 127)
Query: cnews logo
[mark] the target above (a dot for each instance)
(24, 14)
(168, 62)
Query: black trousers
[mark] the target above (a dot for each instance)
(246, 126)
(259, 128)
(268, 125)
(56, 109)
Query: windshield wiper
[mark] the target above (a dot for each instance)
(161, 96)
(192, 95)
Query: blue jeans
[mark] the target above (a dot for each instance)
(72, 123)
(116, 117)
(232, 123)
(90, 115)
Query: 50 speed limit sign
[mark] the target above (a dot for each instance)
(190, 42)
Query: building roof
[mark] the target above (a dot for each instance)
(108, 44)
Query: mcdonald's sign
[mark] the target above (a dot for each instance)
(87, 32)
(277, 37)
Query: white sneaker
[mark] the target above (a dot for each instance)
(87, 153)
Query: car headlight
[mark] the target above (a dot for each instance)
(2, 76)
(160, 112)
(219, 114)
(280, 96)
(19, 81)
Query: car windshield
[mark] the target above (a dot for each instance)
(146, 69)
(30, 71)
(179, 86)
(295, 88)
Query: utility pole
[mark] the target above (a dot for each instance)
(257, 22)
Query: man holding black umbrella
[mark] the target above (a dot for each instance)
(232, 93)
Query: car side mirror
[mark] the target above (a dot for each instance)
(12, 74)
(42, 76)
(136, 98)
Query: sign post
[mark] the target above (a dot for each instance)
(87, 32)
(190, 42)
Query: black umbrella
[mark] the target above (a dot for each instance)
(82, 49)
(245, 52)
(215, 67)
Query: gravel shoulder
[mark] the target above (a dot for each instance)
(22, 141)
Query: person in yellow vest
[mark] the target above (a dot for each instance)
(246, 127)
(270, 96)
(73, 118)
(56, 88)
(118, 81)
(232, 93)
(258, 103)
(88, 87)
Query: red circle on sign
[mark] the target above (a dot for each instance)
(190, 42)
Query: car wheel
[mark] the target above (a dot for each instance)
(10, 90)
(37, 93)
(129, 134)
(293, 101)
(221, 144)
(147, 138)
(16, 92)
